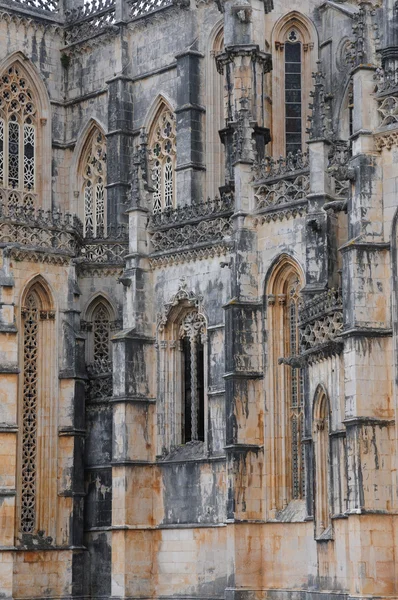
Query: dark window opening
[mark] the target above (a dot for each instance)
(193, 390)
(293, 105)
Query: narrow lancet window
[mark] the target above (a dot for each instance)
(293, 101)
(29, 413)
(191, 333)
(17, 136)
(94, 192)
(162, 158)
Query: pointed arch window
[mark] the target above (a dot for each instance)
(99, 328)
(286, 388)
(18, 137)
(162, 146)
(294, 41)
(94, 182)
(293, 93)
(321, 429)
(37, 334)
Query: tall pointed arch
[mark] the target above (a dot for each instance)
(182, 359)
(295, 52)
(162, 143)
(37, 442)
(90, 165)
(285, 384)
(25, 134)
(321, 430)
(215, 120)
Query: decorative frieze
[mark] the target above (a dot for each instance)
(198, 224)
(271, 168)
(386, 80)
(281, 182)
(140, 8)
(46, 5)
(321, 319)
(49, 231)
(218, 206)
(388, 111)
(386, 140)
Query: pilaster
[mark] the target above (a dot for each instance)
(190, 150)
(9, 371)
(119, 144)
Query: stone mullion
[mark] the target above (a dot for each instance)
(9, 431)
(272, 361)
(194, 388)
(285, 409)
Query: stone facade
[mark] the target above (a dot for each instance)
(198, 299)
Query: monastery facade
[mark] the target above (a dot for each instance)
(198, 299)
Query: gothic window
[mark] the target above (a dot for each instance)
(322, 465)
(162, 159)
(191, 332)
(99, 358)
(294, 45)
(101, 333)
(182, 371)
(29, 414)
(286, 387)
(18, 135)
(36, 323)
(293, 92)
(94, 181)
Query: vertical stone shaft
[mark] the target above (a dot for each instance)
(190, 158)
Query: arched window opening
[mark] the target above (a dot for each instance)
(99, 357)
(286, 387)
(321, 427)
(162, 146)
(94, 182)
(293, 94)
(191, 332)
(294, 43)
(35, 407)
(101, 333)
(18, 137)
(29, 413)
(182, 351)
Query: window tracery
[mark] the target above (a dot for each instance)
(98, 352)
(101, 333)
(293, 93)
(29, 414)
(94, 192)
(18, 135)
(286, 386)
(162, 158)
(294, 39)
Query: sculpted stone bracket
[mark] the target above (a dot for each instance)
(256, 55)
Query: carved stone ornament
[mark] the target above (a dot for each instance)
(183, 295)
